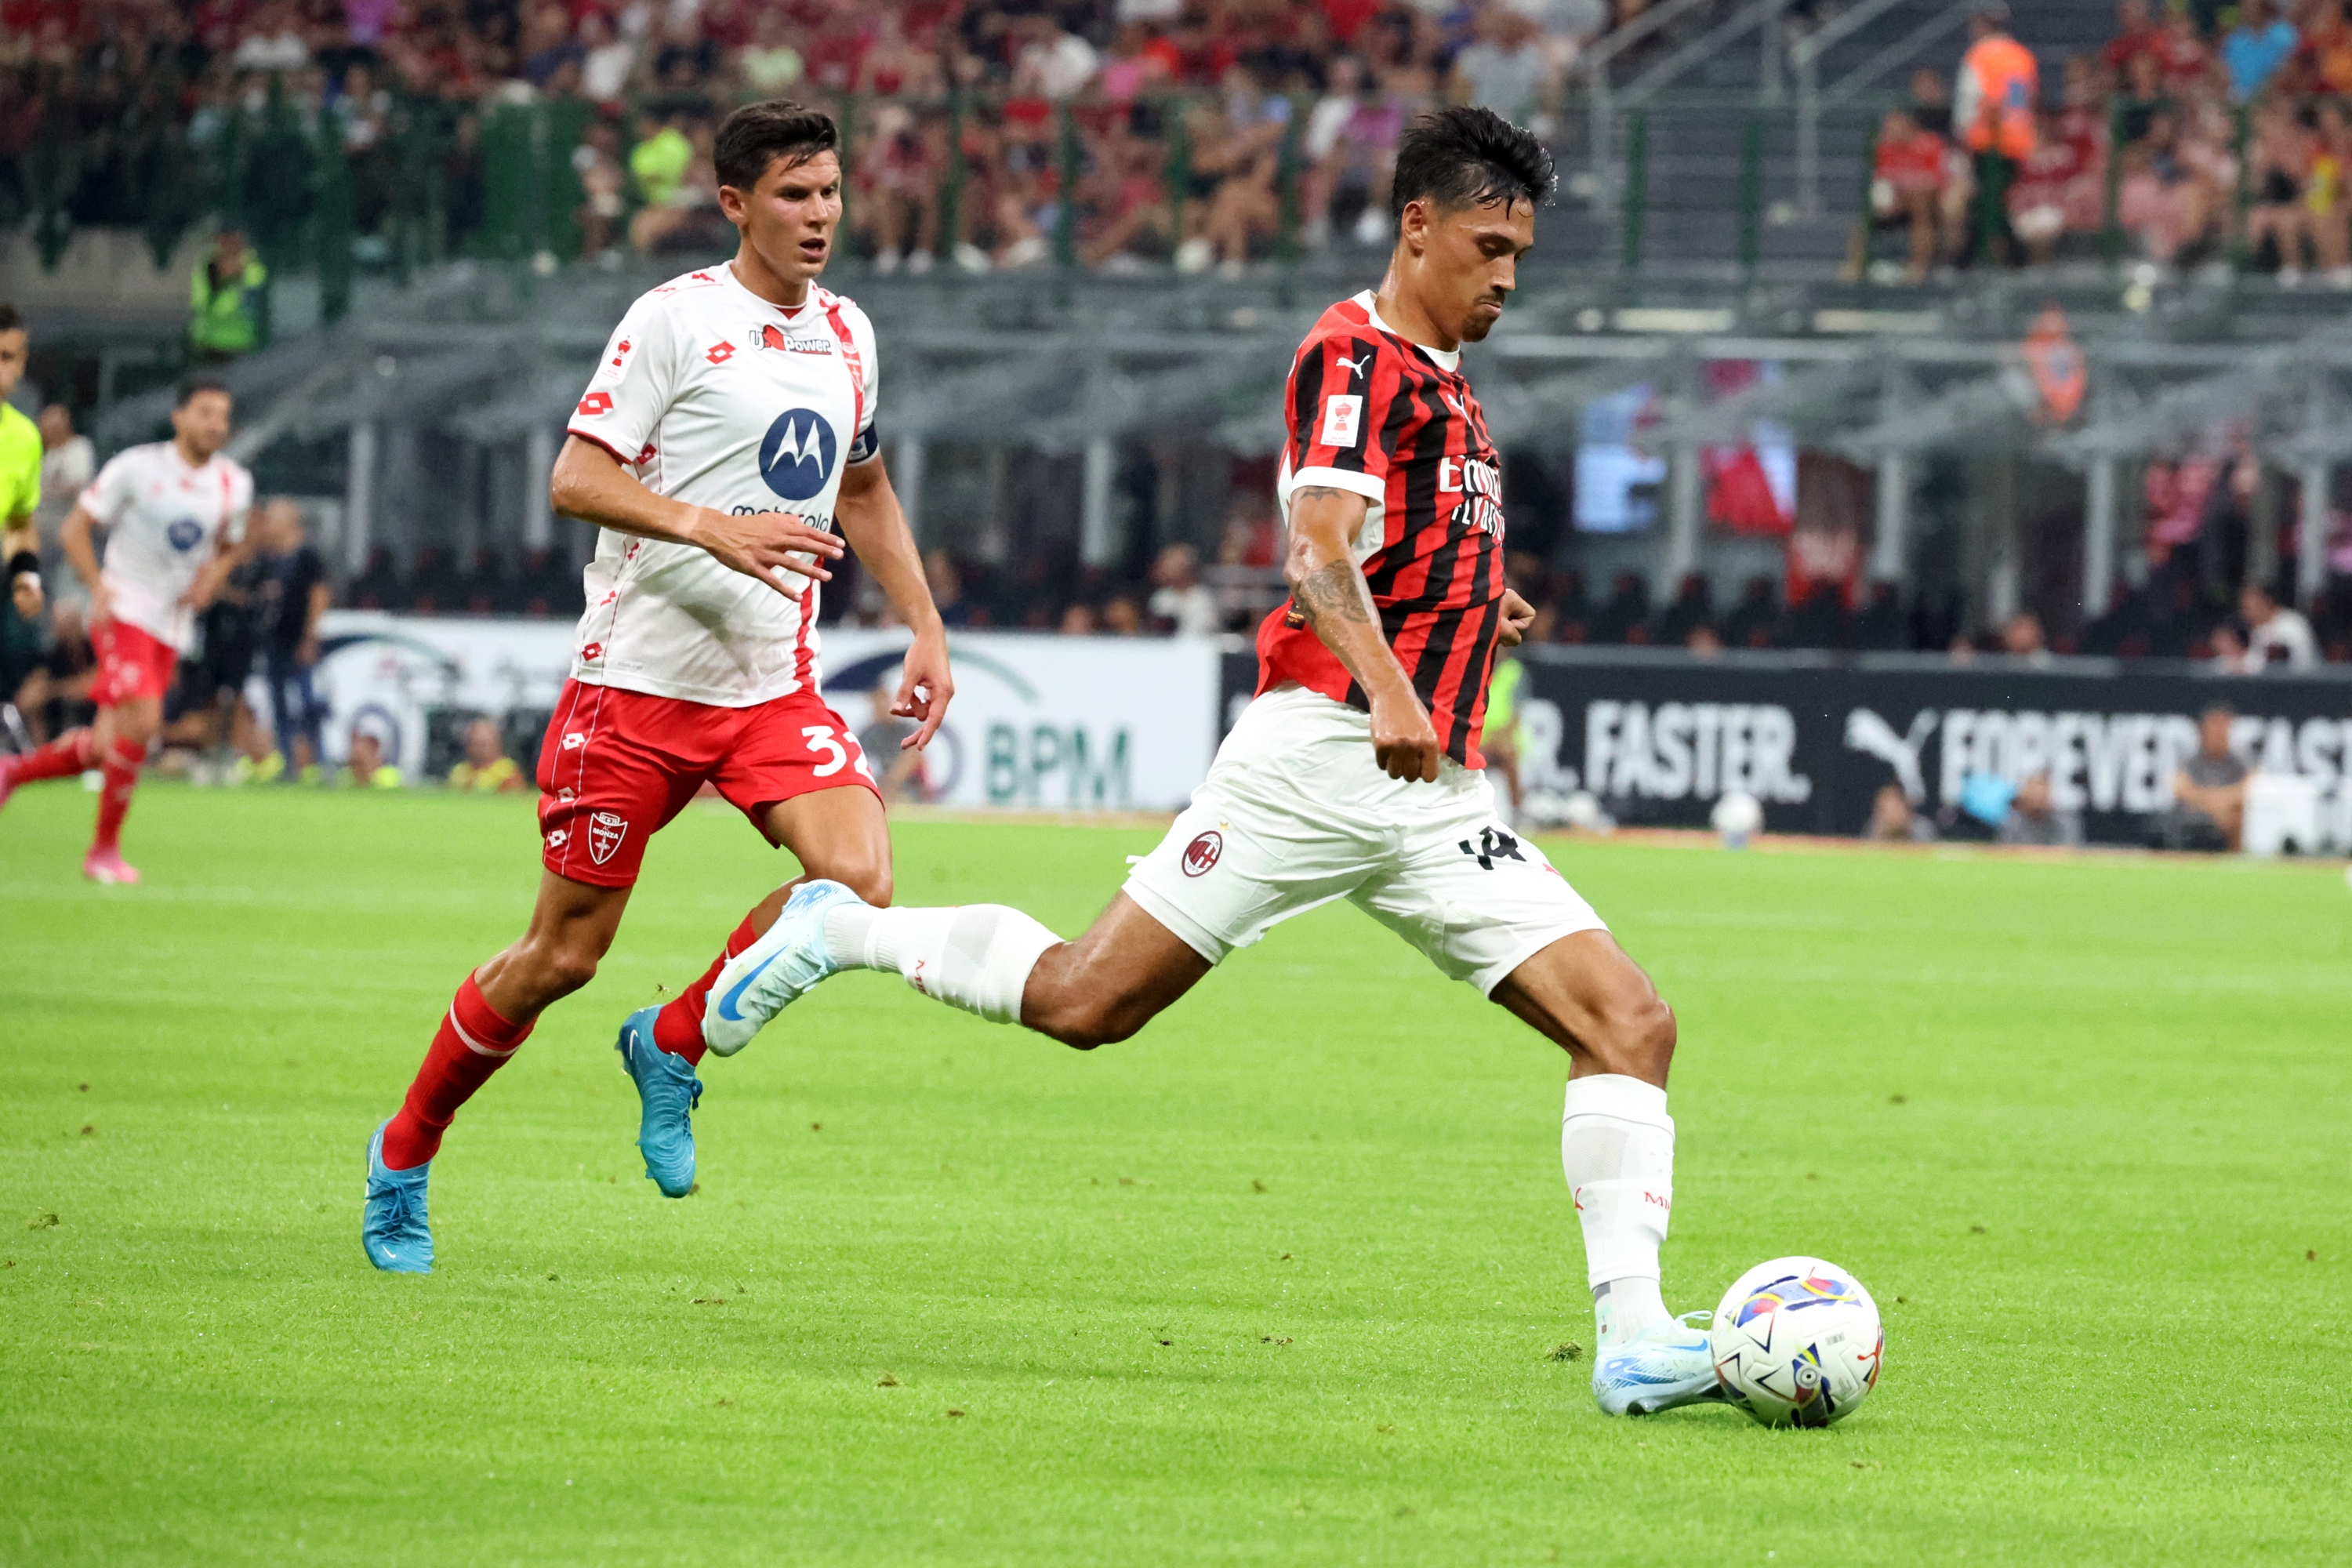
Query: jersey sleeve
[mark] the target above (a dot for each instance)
(240, 507)
(1338, 413)
(867, 439)
(633, 384)
(110, 494)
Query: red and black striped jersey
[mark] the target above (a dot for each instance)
(1374, 413)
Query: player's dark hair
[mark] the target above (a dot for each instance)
(1468, 157)
(11, 319)
(759, 133)
(197, 384)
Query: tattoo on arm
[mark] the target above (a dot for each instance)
(1335, 590)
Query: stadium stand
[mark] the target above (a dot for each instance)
(1733, 396)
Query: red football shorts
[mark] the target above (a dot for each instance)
(130, 664)
(617, 765)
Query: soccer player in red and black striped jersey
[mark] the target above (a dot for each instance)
(1355, 772)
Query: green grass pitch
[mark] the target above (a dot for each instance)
(1278, 1281)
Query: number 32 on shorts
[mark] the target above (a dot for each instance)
(824, 742)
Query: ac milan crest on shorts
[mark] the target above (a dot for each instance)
(130, 664)
(617, 765)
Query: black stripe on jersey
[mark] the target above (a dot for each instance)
(1429, 666)
(1477, 670)
(1306, 398)
(1438, 657)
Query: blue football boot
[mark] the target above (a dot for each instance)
(669, 1091)
(1669, 1364)
(393, 1229)
(775, 972)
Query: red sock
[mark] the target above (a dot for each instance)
(677, 1027)
(68, 754)
(472, 1043)
(121, 765)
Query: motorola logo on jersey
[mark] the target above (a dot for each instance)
(796, 454)
(184, 533)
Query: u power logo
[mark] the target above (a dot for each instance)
(796, 454)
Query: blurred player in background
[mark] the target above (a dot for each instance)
(175, 515)
(729, 429)
(20, 543)
(1356, 774)
(20, 473)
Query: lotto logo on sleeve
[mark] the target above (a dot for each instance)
(1343, 412)
(596, 403)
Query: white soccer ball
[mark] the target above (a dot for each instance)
(1800, 1341)
(1737, 817)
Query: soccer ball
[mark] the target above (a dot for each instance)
(1799, 1340)
(1737, 816)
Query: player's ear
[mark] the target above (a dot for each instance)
(1413, 225)
(731, 201)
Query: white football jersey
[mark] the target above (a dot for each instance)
(163, 521)
(711, 395)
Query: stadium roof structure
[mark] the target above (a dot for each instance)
(1065, 366)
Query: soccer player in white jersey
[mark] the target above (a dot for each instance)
(1355, 774)
(727, 434)
(175, 515)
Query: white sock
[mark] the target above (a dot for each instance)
(1617, 1150)
(973, 956)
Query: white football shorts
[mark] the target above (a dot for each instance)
(1296, 812)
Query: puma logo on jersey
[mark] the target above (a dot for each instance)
(1356, 366)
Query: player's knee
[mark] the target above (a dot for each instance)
(1084, 1023)
(871, 883)
(1638, 1040)
(564, 967)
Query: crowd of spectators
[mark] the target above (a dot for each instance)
(2189, 112)
(1182, 110)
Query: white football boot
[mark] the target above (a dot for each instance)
(783, 965)
(1670, 1362)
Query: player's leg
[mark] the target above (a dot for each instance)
(1488, 908)
(994, 961)
(71, 755)
(607, 783)
(493, 1013)
(122, 734)
(837, 835)
(1617, 1143)
(840, 839)
(1250, 852)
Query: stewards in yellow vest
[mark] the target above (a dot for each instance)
(224, 299)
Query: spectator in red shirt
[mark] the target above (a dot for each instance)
(2136, 34)
(2183, 56)
(1907, 183)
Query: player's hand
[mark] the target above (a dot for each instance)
(27, 596)
(925, 689)
(1517, 615)
(765, 544)
(1404, 743)
(101, 606)
(307, 654)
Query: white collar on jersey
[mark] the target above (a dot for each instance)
(1442, 358)
(790, 313)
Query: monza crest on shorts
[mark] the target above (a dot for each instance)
(1201, 855)
(605, 831)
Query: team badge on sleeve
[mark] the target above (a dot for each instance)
(1343, 412)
